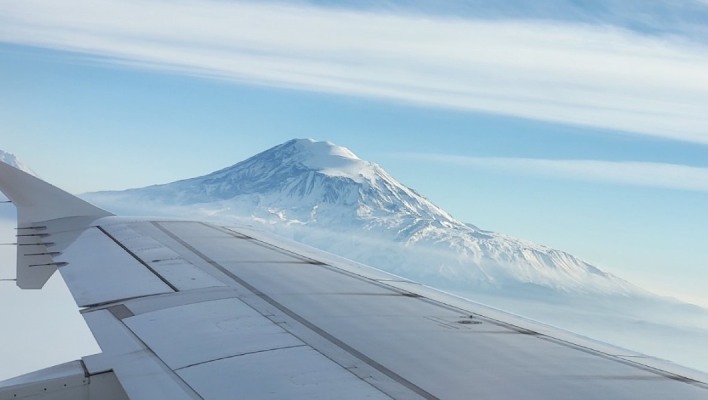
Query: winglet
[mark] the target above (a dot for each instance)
(37, 204)
(38, 201)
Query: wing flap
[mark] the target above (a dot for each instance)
(141, 240)
(207, 331)
(181, 346)
(141, 374)
(299, 373)
(99, 271)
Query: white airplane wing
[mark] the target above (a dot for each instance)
(190, 310)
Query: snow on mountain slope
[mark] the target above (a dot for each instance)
(325, 196)
(10, 159)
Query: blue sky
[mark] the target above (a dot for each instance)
(582, 126)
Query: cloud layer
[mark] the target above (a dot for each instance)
(647, 174)
(570, 73)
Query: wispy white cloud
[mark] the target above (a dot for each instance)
(647, 174)
(579, 74)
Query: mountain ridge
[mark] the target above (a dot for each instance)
(324, 195)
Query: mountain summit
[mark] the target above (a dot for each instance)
(301, 178)
(324, 195)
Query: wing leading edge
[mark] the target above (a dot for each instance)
(189, 310)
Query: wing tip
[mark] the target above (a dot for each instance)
(38, 203)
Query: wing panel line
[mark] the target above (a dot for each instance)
(140, 260)
(120, 328)
(242, 354)
(324, 334)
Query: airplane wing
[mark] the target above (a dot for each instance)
(191, 310)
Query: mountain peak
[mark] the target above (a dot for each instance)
(308, 176)
(326, 196)
(324, 157)
(319, 149)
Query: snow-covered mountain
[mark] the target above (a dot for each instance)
(325, 196)
(10, 159)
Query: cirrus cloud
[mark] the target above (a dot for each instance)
(635, 173)
(591, 75)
